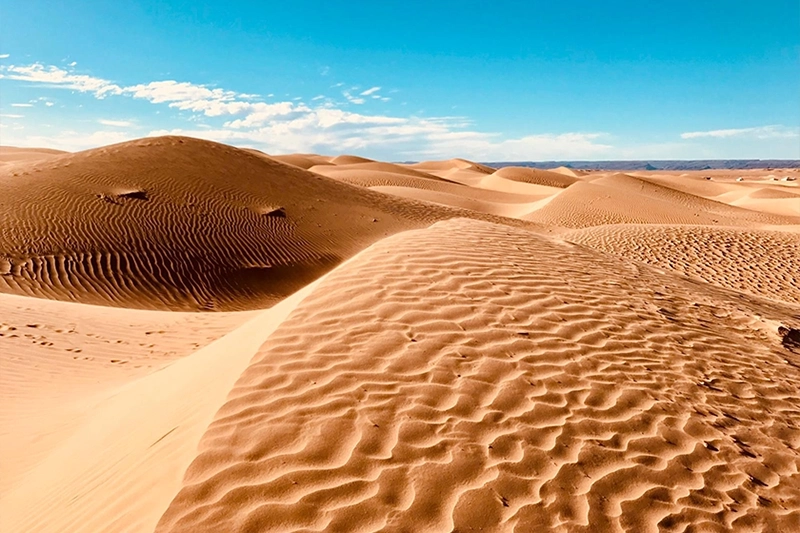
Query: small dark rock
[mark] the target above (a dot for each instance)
(790, 337)
(278, 212)
(134, 195)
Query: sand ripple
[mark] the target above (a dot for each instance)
(478, 377)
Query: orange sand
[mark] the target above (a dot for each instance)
(428, 347)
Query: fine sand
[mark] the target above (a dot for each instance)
(438, 346)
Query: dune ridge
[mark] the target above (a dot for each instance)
(622, 199)
(183, 224)
(506, 381)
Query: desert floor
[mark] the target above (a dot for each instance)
(200, 338)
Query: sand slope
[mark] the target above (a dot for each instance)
(305, 161)
(121, 457)
(57, 358)
(13, 154)
(183, 224)
(472, 376)
(536, 176)
(622, 199)
(610, 353)
(762, 263)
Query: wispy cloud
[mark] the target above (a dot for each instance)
(10, 115)
(4, 56)
(116, 123)
(21, 105)
(353, 99)
(293, 126)
(57, 77)
(761, 132)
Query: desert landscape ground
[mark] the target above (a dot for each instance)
(202, 338)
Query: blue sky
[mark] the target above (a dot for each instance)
(409, 80)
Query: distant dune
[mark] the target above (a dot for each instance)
(442, 346)
(536, 176)
(700, 164)
(11, 154)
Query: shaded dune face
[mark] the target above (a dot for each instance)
(180, 223)
(184, 224)
(477, 377)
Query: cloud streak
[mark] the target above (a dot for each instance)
(116, 123)
(293, 126)
(761, 132)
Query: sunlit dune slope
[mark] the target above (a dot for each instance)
(762, 263)
(536, 176)
(13, 154)
(452, 164)
(305, 161)
(622, 199)
(472, 376)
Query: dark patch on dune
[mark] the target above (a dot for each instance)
(278, 212)
(790, 337)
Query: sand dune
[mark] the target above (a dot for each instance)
(13, 154)
(370, 169)
(183, 224)
(350, 160)
(122, 455)
(621, 199)
(59, 357)
(305, 161)
(429, 347)
(505, 381)
(452, 164)
(536, 176)
(762, 263)
(566, 171)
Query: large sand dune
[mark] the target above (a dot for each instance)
(179, 223)
(495, 379)
(438, 346)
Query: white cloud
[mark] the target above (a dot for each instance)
(259, 113)
(762, 132)
(21, 105)
(10, 115)
(116, 123)
(73, 63)
(49, 104)
(4, 56)
(57, 77)
(292, 126)
(353, 99)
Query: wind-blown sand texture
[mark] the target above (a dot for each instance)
(182, 224)
(430, 347)
(473, 376)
